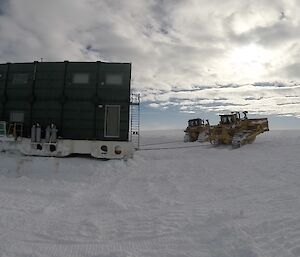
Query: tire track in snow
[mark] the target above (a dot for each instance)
(101, 248)
(89, 195)
(140, 233)
(277, 238)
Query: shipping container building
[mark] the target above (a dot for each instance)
(85, 101)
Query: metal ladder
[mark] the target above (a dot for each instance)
(135, 120)
(15, 129)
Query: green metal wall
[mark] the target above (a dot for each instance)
(3, 81)
(51, 96)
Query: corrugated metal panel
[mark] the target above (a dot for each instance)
(107, 92)
(78, 120)
(3, 74)
(49, 82)
(20, 82)
(1, 111)
(46, 113)
(81, 91)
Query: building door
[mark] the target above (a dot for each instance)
(112, 121)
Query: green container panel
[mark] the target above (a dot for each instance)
(49, 81)
(3, 68)
(115, 67)
(3, 75)
(51, 66)
(81, 91)
(1, 111)
(20, 91)
(108, 95)
(78, 120)
(114, 92)
(22, 67)
(21, 106)
(49, 90)
(82, 67)
(47, 112)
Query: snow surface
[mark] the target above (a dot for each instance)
(185, 199)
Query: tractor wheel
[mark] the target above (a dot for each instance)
(214, 142)
(186, 138)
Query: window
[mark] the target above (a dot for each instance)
(16, 116)
(80, 78)
(114, 79)
(20, 78)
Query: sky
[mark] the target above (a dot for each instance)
(190, 58)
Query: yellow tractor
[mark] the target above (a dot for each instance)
(197, 130)
(236, 131)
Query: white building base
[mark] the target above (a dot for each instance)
(65, 147)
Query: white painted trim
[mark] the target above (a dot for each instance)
(65, 147)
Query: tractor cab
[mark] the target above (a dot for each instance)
(195, 122)
(196, 130)
(228, 118)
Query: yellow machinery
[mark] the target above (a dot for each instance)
(236, 131)
(197, 130)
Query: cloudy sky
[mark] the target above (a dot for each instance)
(189, 57)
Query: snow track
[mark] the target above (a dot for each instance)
(181, 199)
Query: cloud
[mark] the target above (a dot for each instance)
(154, 105)
(260, 98)
(209, 52)
(293, 70)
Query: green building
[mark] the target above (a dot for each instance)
(84, 100)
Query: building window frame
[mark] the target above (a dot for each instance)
(20, 78)
(80, 78)
(114, 79)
